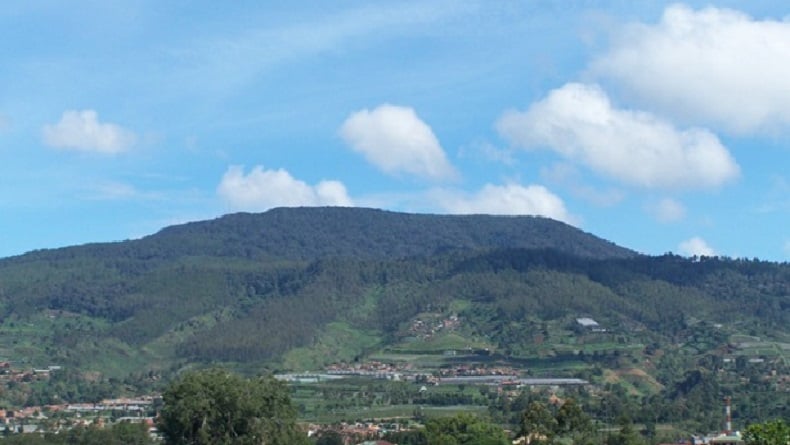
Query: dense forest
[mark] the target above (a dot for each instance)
(250, 272)
(250, 289)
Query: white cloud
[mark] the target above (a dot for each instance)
(696, 246)
(396, 140)
(711, 66)
(263, 189)
(510, 199)
(667, 210)
(787, 248)
(579, 122)
(82, 131)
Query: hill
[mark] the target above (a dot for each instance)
(310, 233)
(137, 291)
(300, 288)
(210, 288)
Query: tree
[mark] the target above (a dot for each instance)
(330, 438)
(129, 434)
(571, 419)
(537, 423)
(772, 432)
(413, 437)
(221, 408)
(463, 429)
(626, 435)
(574, 423)
(123, 433)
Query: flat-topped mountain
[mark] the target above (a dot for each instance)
(315, 232)
(309, 233)
(296, 287)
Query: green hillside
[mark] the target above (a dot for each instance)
(298, 289)
(160, 295)
(250, 287)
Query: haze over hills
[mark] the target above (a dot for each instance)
(301, 287)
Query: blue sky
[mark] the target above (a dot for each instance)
(659, 126)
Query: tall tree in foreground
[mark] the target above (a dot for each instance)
(218, 407)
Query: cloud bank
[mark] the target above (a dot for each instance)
(396, 140)
(579, 122)
(263, 189)
(510, 199)
(82, 131)
(712, 66)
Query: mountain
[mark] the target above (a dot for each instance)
(317, 232)
(310, 233)
(299, 287)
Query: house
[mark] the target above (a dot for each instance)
(727, 439)
(590, 324)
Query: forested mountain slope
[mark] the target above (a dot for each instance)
(310, 233)
(252, 288)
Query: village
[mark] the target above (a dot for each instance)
(58, 418)
(460, 373)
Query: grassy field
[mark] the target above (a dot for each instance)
(338, 341)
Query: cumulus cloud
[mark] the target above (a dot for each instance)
(82, 131)
(263, 189)
(667, 210)
(510, 199)
(712, 65)
(696, 246)
(579, 122)
(396, 140)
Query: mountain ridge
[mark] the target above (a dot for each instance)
(299, 288)
(303, 233)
